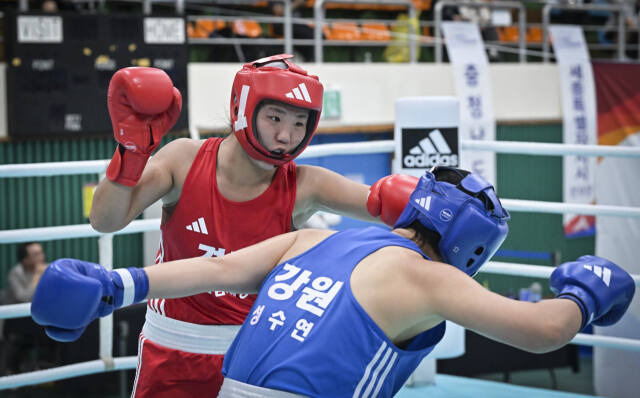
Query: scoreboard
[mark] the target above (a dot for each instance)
(59, 67)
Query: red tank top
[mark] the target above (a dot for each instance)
(205, 224)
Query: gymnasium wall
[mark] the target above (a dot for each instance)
(527, 92)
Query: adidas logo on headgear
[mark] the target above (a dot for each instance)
(424, 202)
(299, 92)
(431, 151)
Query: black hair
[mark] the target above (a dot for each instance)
(423, 234)
(451, 175)
(22, 250)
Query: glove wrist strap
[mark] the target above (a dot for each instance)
(132, 286)
(126, 166)
(581, 305)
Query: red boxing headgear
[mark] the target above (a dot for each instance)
(273, 78)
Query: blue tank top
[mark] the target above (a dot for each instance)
(307, 334)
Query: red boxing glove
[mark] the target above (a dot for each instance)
(143, 105)
(389, 196)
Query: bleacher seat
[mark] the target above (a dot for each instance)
(375, 31)
(343, 31)
(420, 5)
(534, 34)
(246, 28)
(426, 31)
(204, 28)
(508, 34)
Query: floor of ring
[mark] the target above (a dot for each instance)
(580, 382)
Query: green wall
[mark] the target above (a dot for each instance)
(51, 201)
(533, 178)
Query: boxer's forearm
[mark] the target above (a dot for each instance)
(115, 205)
(110, 206)
(241, 271)
(191, 276)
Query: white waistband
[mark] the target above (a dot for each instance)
(188, 337)
(237, 389)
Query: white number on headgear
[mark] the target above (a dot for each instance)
(241, 123)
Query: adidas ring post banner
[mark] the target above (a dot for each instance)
(426, 134)
(425, 148)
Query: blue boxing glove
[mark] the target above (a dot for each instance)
(72, 293)
(602, 290)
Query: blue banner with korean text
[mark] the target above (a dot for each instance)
(473, 89)
(579, 124)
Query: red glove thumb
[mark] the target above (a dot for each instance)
(389, 196)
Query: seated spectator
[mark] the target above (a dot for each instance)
(22, 340)
(24, 276)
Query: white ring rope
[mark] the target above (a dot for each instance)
(72, 231)
(542, 148)
(520, 205)
(49, 169)
(516, 269)
(67, 371)
(513, 205)
(15, 310)
(98, 166)
(123, 363)
(383, 146)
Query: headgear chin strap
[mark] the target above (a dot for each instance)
(468, 216)
(278, 79)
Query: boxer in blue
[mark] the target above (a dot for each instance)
(352, 313)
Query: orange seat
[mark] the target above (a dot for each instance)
(534, 34)
(247, 28)
(203, 28)
(375, 31)
(420, 5)
(326, 31)
(508, 34)
(344, 31)
(190, 30)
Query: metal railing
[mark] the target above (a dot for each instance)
(413, 39)
(319, 16)
(522, 18)
(546, 21)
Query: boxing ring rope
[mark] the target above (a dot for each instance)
(108, 363)
(383, 146)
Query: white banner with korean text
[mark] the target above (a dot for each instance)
(579, 123)
(471, 73)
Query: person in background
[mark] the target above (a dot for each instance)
(24, 276)
(18, 335)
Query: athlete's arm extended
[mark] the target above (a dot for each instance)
(241, 271)
(321, 189)
(536, 327)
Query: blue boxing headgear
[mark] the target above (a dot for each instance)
(468, 216)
